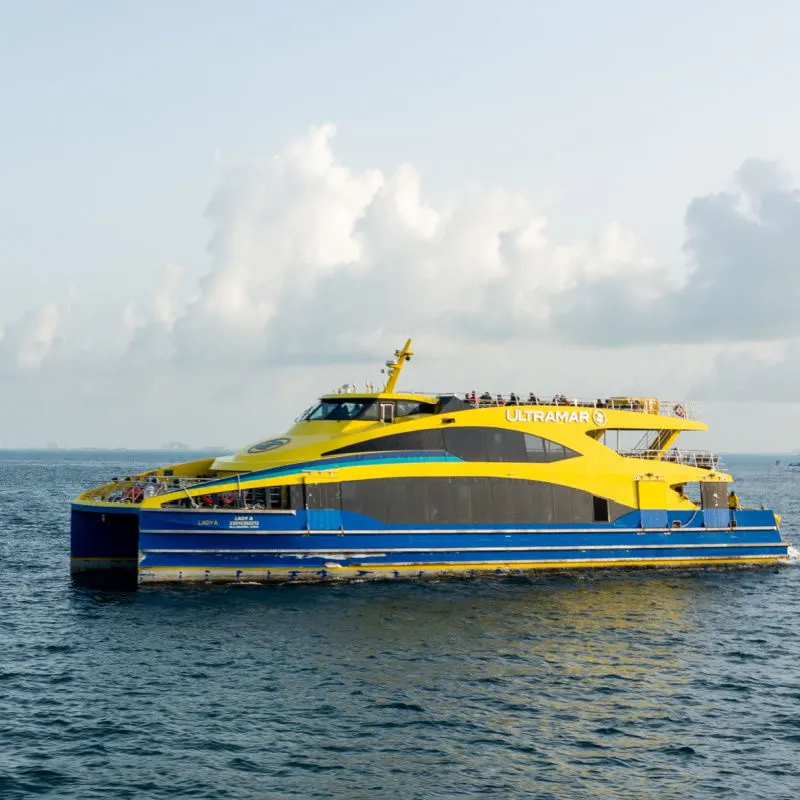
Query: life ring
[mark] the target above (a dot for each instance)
(133, 494)
(228, 498)
(680, 411)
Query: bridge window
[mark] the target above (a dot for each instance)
(343, 410)
(407, 408)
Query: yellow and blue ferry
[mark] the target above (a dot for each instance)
(391, 484)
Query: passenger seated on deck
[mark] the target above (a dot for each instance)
(486, 399)
(532, 399)
(500, 400)
(600, 403)
(513, 400)
(472, 398)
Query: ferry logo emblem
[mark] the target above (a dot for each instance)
(599, 417)
(271, 444)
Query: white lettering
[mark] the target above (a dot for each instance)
(523, 415)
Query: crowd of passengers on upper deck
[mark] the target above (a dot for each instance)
(486, 399)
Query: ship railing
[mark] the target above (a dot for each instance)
(647, 405)
(134, 490)
(705, 459)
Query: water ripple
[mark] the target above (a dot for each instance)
(637, 685)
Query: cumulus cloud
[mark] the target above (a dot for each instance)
(313, 261)
(30, 341)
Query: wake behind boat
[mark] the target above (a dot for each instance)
(389, 484)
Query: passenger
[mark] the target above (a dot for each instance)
(473, 399)
(600, 403)
(733, 502)
(500, 400)
(532, 400)
(513, 400)
(486, 399)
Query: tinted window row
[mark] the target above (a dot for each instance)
(367, 410)
(491, 501)
(271, 497)
(469, 444)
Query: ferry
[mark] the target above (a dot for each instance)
(386, 484)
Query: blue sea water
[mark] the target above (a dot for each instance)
(615, 685)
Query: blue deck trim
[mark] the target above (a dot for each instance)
(337, 462)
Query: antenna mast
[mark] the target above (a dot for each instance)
(394, 367)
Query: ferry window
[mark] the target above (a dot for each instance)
(599, 509)
(468, 444)
(322, 495)
(413, 440)
(458, 501)
(342, 410)
(405, 408)
(545, 451)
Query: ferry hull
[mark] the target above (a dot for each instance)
(175, 546)
(104, 539)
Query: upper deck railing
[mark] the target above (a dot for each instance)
(705, 459)
(646, 405)
(134, 490)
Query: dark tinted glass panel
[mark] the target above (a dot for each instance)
(504, 445)
(322, 495)
(544, 450)
(296, 496)
(342, 410)
(481, 503)
(453, 501)
(600, 509)
(714, 494)
(405, 408)
(466, 443)
(396, 499)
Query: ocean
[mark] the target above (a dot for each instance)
(605, 686)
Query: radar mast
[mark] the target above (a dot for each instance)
(393, 368)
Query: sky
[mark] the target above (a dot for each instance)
(211, 213)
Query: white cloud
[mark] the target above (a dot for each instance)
(315, 262)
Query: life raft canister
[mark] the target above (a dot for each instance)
(133, 494)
